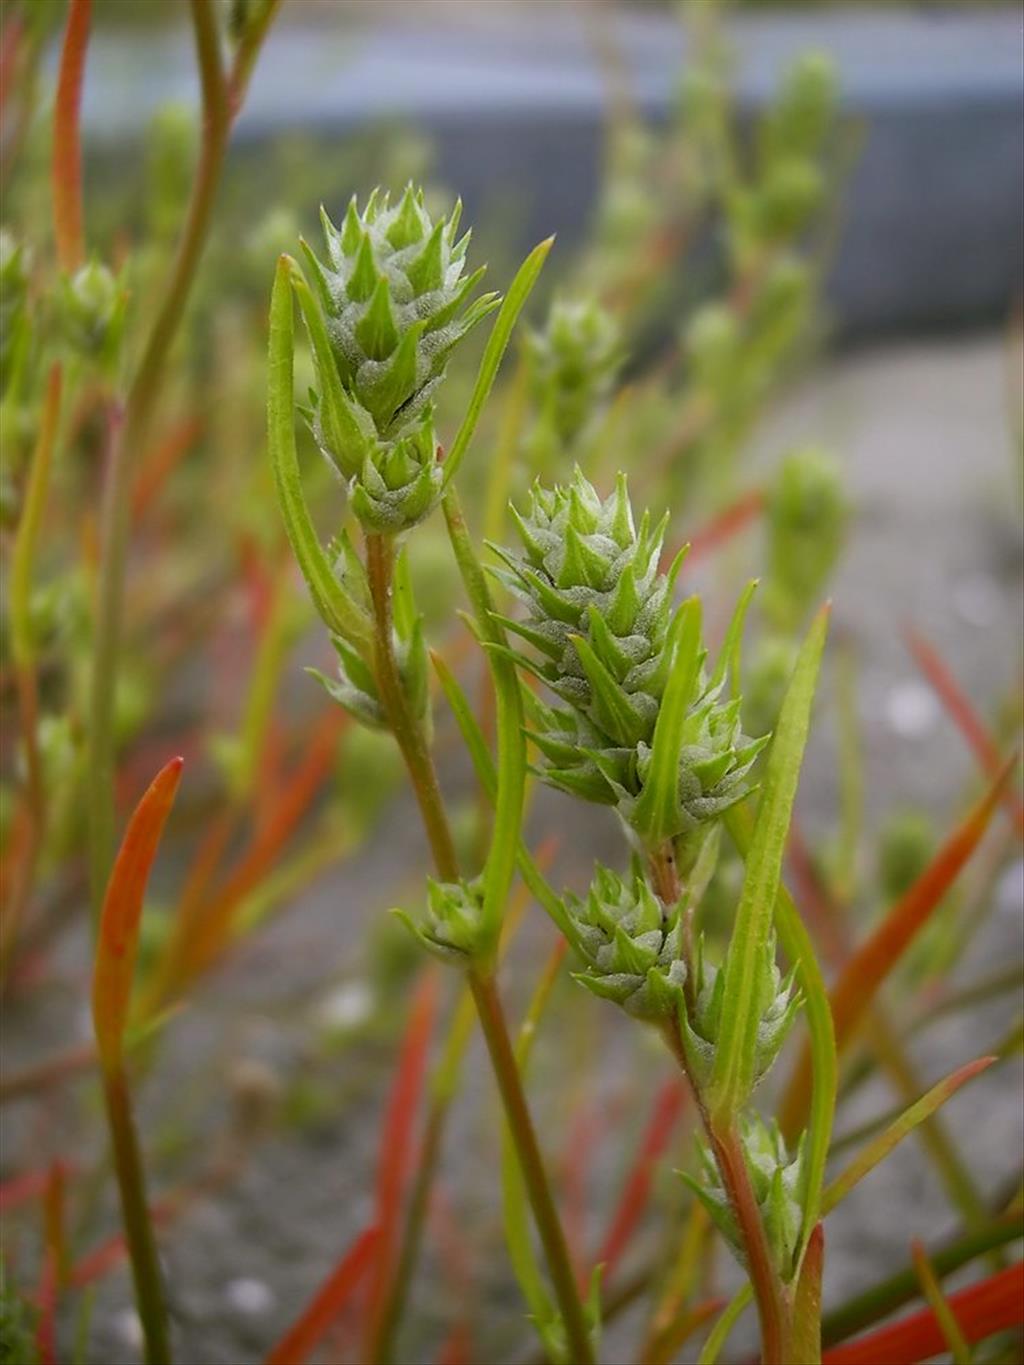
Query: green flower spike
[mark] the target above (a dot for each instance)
(777, 1180)
(573, 363)
(699, 1026)
(384, 313)
(452, 925)
(644, 728)
(629, 944)
(807, 517)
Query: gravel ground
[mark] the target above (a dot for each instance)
(922, 431)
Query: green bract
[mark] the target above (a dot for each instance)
(386, 310)
(630, 945)
(451, 927)
(699, 1024)
(778, 1184)
(644, 728)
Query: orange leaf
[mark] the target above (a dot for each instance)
(122, 913)
(300, 1339)
(871, 963)
(67, 147)
(964, 716)
(981, 1310)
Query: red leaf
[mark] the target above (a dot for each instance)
(122, 912)
(67, 146)
(981, 1310)
(303, 1336)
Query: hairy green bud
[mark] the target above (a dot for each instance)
(92, 306)
(778, 1183)
(700, 1022)
(906, 845)
(451, 926)
(643, 729)
(807, 517)
(805, 109)
(630, 945)
(573, 364)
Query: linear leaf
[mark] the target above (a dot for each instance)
(732, 1078)
(299, 1342)
(655, 814)
(337, 611)
(936, 1300)
(880, 1147)
(122, 913)
(797, 946)
(719, 1333)
(497, 342)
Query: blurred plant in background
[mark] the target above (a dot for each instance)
(150, 609)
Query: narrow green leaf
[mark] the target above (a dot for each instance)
(880, 1147)
(728, 665)
(497, 342)
(733, 1075)
(656, 811)
(939, 1304)
(336, 609)
(719, 1334)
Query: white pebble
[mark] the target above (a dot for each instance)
(911, 709)
(347, 1007)
(248, 1296)
(128, 1328)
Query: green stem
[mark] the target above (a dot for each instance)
(517, 1115)
(380, 559)
(221, 101)
(149, 1292)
